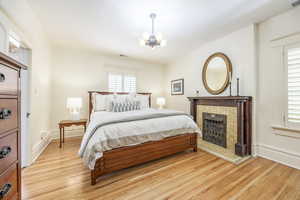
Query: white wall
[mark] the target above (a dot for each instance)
(271, 91)
(238, 46)
(19, 17)
(75, 72)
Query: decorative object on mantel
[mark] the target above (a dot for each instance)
(177, 87)
(230, 83)
(153, 40)
(217, 73)
(238, 87)
(197, 93)
(223, 118)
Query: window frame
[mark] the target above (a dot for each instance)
(287, 123)
(123, 75)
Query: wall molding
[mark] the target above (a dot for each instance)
(75, 132)
(39, 147)
(286, 131)
(288, 158)
(286, 40)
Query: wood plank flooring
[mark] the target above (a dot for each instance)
(60, 174)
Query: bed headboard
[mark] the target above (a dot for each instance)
(107, 93)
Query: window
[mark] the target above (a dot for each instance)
(121, 83)
(115, 82)
(129, 84)
(293, 84)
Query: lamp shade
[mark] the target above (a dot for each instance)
(161, 101)
(74, 102)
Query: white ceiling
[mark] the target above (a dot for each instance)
(114, 26)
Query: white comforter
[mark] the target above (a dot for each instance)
(98, 139)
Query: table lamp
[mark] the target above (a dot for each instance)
(74, 105)
(161, 101)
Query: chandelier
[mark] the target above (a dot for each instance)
(153, 40)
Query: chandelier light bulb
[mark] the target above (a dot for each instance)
(163, 43)
(142, 42)
(159, 36)
(152, 40)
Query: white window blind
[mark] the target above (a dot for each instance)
(293, 66)
(129, 84)
(115, 82)
(121, 83)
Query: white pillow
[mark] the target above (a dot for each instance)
(102, 102)
(98, 102)
(144, 99)
(108, 99)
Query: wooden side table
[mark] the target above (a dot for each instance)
(65, 123)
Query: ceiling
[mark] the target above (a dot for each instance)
(114, 26)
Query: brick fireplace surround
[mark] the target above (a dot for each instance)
(238, 112)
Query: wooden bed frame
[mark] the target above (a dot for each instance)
(129, 156)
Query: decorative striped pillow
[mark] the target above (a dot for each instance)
(123, 106)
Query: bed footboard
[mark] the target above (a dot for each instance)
(125, 157)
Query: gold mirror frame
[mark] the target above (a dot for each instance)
(229, 71)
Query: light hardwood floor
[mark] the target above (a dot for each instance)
(60, 174)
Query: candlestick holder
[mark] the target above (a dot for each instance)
(238, 87)
(230, 81)
(230, 88)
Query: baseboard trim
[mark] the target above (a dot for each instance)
(291, 159)
(39, 147)
(68, 133)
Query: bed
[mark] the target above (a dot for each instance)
(118, 140)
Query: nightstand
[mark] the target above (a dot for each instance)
(66, 123)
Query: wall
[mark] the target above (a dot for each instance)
(271, 91)
(19, 17)
(75, 72)
(238, 46)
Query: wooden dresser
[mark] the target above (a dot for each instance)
(10, 144)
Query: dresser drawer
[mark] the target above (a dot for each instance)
(9, 184)
(8, 151)
(8, 80)
(8, 114)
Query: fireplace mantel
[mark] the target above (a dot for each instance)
(243, 105)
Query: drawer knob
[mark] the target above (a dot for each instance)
(5, 113)
(4, 190)
(4, 152)
(2, 77)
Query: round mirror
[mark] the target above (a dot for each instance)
(216, 73)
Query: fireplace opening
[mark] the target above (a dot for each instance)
(214, 128)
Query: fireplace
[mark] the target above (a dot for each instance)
(214, 128)
(226, 124)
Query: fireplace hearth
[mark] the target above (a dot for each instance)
(214, 128)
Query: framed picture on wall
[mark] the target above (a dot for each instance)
(177, 87)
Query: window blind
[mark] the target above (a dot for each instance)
(129, 84)
(114, 82)
(293, 65)
(121, 83)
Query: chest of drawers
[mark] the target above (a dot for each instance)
(10, 133)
